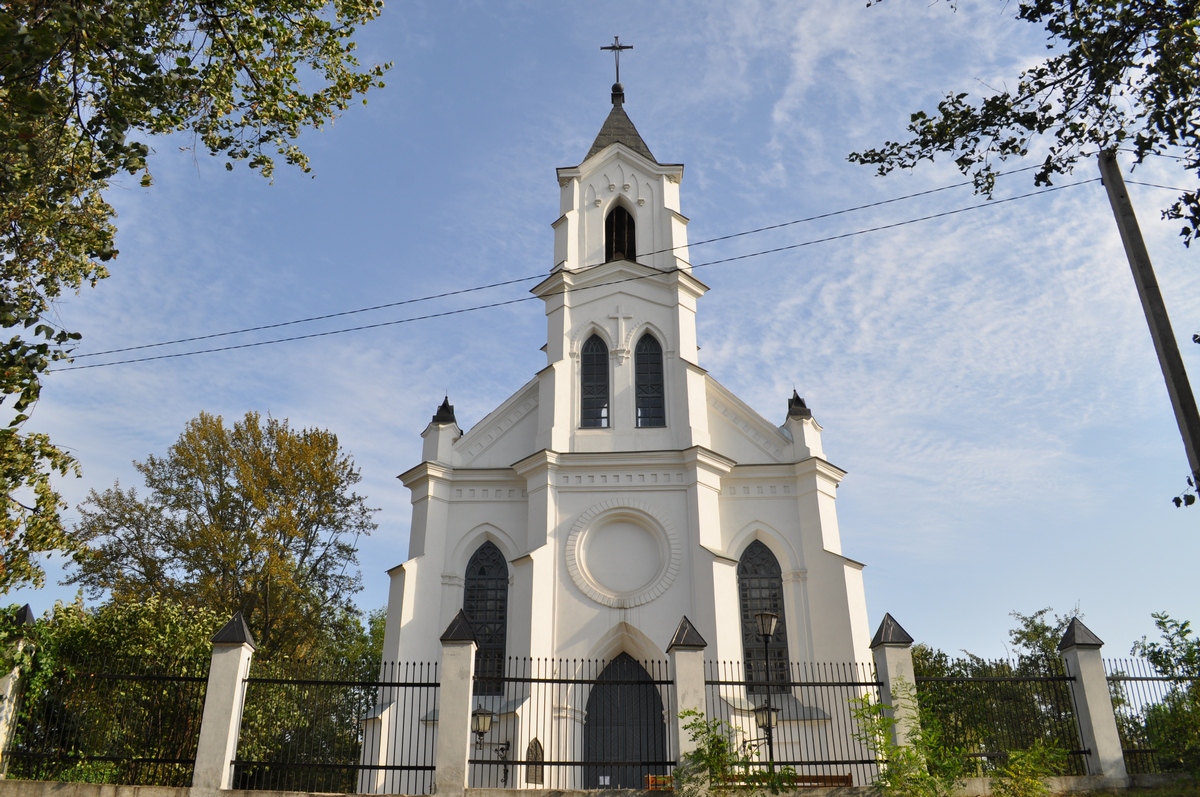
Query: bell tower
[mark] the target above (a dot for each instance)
(621, 278)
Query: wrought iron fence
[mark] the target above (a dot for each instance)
(815, 741)
(993, 707)
(1153, 713)
(341, 736)
(573, 724)
(123, 722)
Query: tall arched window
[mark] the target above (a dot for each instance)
(593, 366)
(620, 237)
(648, 365)
(485, 602)
(760, 589)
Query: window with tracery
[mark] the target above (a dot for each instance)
(593, 367)
(760, 589)
(651, 397)
(620, 236)
(485, 602)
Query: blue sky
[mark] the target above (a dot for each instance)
(986, 378)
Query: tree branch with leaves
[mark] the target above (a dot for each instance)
(84, 85)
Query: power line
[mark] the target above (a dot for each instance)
(1156, 185)
(656, 273)
(532, 277)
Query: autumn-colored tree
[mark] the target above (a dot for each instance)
(83, 85)
(257, 518)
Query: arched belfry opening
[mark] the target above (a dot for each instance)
(620, 236)
(624, 724)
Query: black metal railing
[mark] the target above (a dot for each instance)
(125, 722)
(815, 741)
(342, 736)
(574, 724)
(1155, 713)
(990, 708)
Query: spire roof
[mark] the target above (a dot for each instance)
(618, 129)
(445, 413)
(797, 408)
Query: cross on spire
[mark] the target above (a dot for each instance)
(616, 47)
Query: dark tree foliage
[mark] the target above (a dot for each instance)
(1120, 75)
(104, 689)
(991, 707)
(84, 85)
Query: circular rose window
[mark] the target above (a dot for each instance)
(622, 553)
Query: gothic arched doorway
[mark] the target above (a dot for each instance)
(624, 735)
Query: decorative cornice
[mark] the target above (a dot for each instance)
(426, 470)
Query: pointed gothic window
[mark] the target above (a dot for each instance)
(648, 363)
(760, 589)
(620, 238)
(593, 362)
(534, 768)
(485, 602)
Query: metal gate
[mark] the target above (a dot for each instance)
(573, 724)
(625, 736)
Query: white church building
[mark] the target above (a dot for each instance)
(623, 488)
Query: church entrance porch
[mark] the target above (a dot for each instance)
(573, 724)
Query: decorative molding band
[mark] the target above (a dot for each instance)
(754, 490)
(489, 494)
(609, 479)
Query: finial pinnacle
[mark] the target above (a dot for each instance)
(616, 47)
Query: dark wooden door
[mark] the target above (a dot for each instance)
(625, 735)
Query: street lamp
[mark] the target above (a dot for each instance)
(481, 723)
(765, 715)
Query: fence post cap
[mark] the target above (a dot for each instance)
(1078, 635)
(459, 629)
(686, 637)
(890, 633)
(235, 632)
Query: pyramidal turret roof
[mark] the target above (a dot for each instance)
(618, 129)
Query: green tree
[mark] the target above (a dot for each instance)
(257, 518)
(926, 763)
(83, 85)
(1173, 725)
(68, 717)
(1119, 75)
(1002, 713)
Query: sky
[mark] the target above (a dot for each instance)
(986, 378)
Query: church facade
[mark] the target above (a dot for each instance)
(624, 488)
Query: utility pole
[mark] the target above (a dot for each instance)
(1182, 399)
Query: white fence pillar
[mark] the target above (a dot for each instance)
(892, 650)
(687, 668)
(454, 708)
(10, 687)
(233, 647)
(1080, 649)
